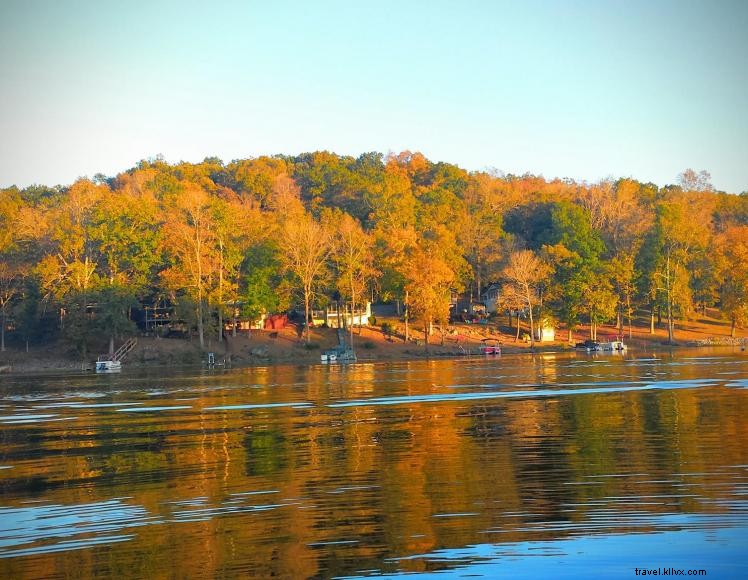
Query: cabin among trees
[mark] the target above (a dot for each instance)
(491, 298)
(223, 243)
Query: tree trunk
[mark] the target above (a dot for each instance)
(570, 338)
(111, 344)
(199, 262)
(2, 332)
(353, 310)
(669, 322)
(407, 315)
(306, 316)
(652, 320)
(200, 333)
(628, 313)
(670, 329)
(669, 288)
(669, 309)
(516, 338)
(732, 327)
(220, 295)
(532, 326)
(630, 329)
(426, 336)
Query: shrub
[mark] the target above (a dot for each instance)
(368, 345)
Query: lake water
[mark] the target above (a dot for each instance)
(520, 466)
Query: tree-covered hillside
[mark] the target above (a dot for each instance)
(264, 234)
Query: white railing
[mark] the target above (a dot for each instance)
(121, 352)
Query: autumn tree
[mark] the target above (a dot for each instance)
(732, 272)
(512, 300)
(352, 254)
(10, 272)
(622, 276)
(125, 229)
(10, 287)
(69, 271)
(599, 299)
(235, 224)
(429, 281)
(617, 212)
(524, 272)
(689, 180)
(190, 242)
(305, 248)
(479, 224)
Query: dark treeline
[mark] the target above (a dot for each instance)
(261, 235)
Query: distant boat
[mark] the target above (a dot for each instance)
(613, 346)
(490, 346)
(338, 354)
(110, 363)
(108, 366)
(588, 345)
(594, 346)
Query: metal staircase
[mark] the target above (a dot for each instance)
(121, 352)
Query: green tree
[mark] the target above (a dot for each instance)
(262, 266)
(599, 298)
(675, 239)
(574, 248)
(112, 314)
(622, 274)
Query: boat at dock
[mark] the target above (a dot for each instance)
(613, 346)
(490, 346)
(588, 346)
(108, 366)
(595, 346)
(338, 354)
(112, 363)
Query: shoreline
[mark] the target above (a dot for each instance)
(261, 348)
(311, 358)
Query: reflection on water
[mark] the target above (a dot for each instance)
(521, 466)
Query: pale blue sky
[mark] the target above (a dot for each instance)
(581, 89)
